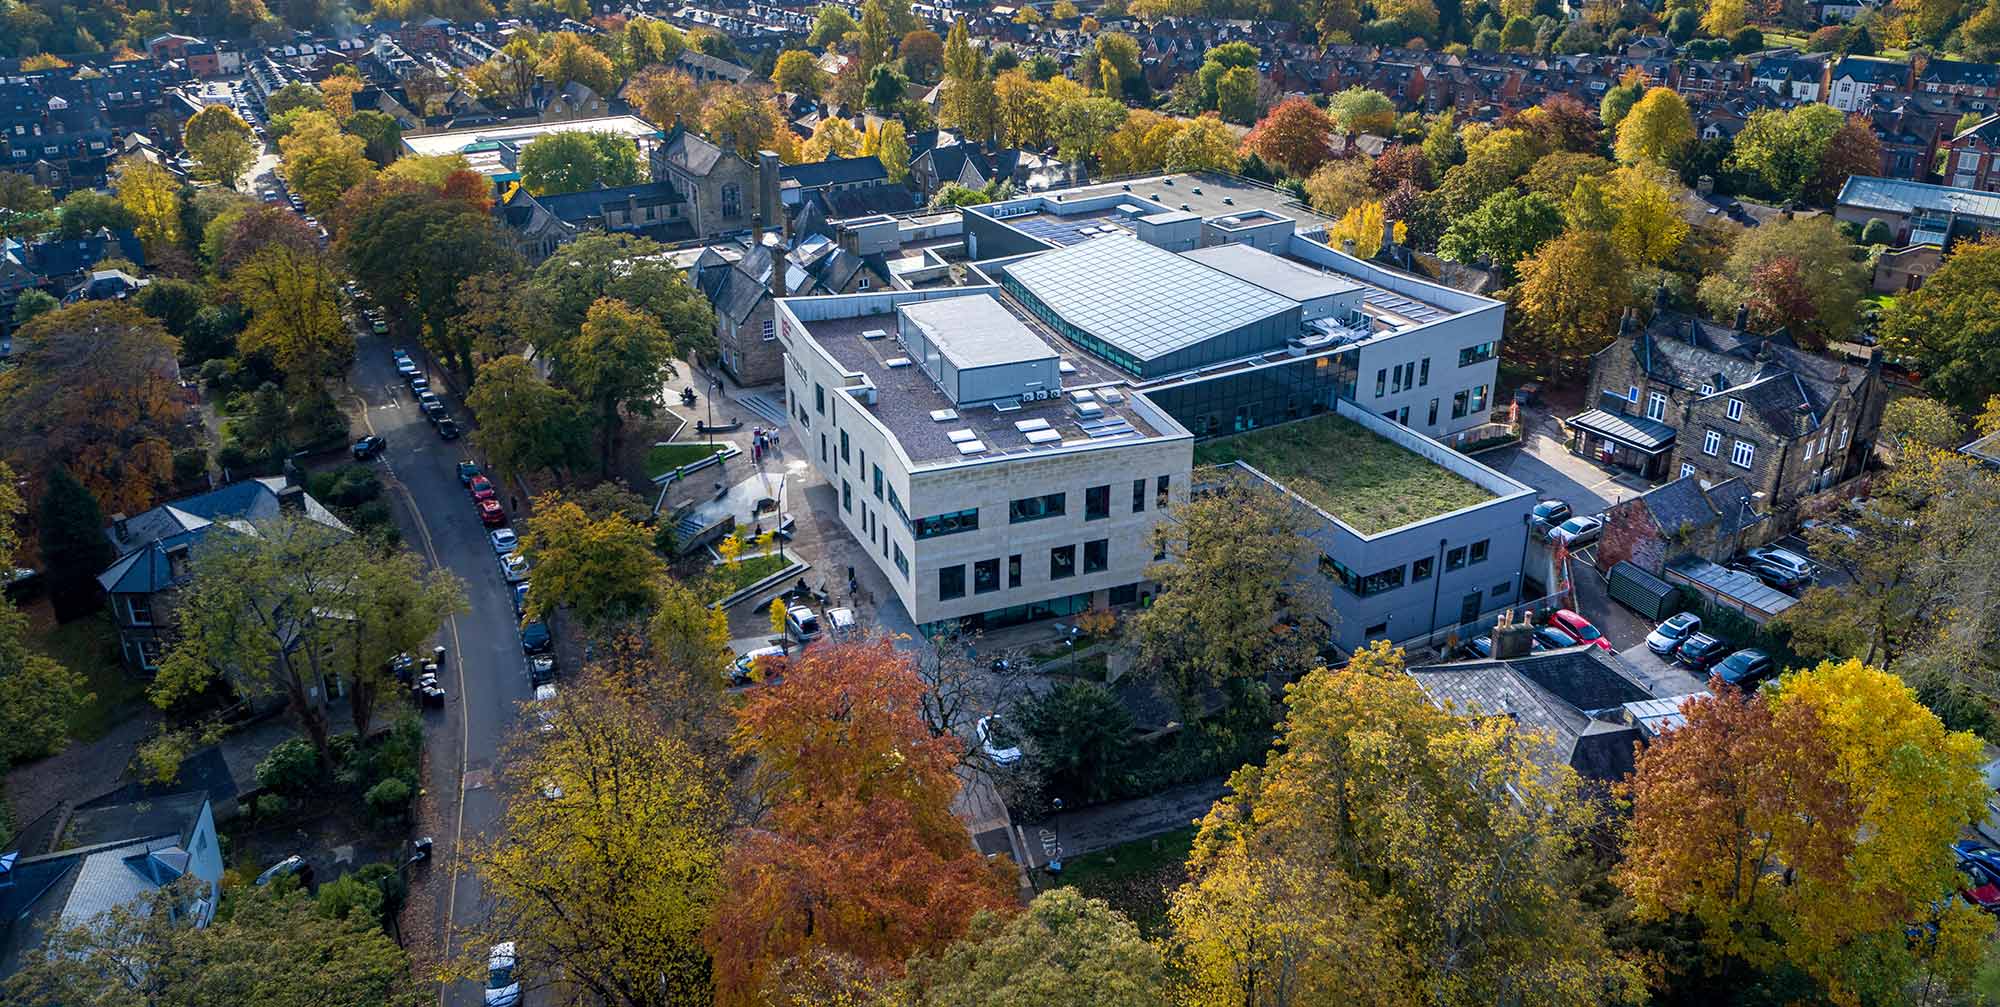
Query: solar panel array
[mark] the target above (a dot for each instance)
(1142, 299)
(1389, 300)
(1065, 231)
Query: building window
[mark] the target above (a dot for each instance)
(1421, 569)
(843, 446)
(1711, 442)
(1124, 594)
(986, 576)
(1062, 562)
(1434, 414)
(1476, 354)
(819, 398)
(951, 582)
(1742, 453)
(878, 482)
(770, 330)
(1686, 470)
(1381, 382)
(1014, 570)
(1656, 406)
(1843, 435)
(1138, 496)
(1735, 409)
(1096, 503)
(1377, 631)
(1455, 559)
(1037, 508)
(138, 610)
(1707, 389)
(1097, 555)
(822, 447)
(902, 562)
(946, 524)
(1479, 550)
(1500, 590)
(732, 200)
(1479, 398)
(1397, 384)
(1339, 572)
(1160, 493)
(896, 504)
(1458, 405)
(1380, 581)
(846, 497)
(1424, 373)
(1632, 393)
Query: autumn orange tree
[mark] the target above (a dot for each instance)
(859, 854)
(1294, 134)
(1810, 825)
(93, 389)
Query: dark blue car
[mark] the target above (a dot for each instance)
(535, 638)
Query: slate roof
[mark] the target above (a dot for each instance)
(702, 63)
(834, 171)
(1951, 72)
(1871, 71)
(1683, 503)
(1552, 693)
(573, 207)
(143, 565)
(690, 152)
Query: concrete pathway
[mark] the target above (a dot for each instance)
(1104, 826)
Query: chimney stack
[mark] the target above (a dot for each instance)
(1347, 245)
(776, 282)
(1627, 321)
(1388, 234)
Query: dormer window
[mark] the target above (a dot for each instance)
(1736, 409)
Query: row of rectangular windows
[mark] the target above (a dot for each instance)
(986, 572)
(1364, 585)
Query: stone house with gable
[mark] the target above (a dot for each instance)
(1683, 396)
(1678, 519)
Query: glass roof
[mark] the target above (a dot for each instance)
(1141, 298)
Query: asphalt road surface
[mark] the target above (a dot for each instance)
(486, 675)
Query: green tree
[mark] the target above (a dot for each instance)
(295, 95)
(831, 26)
(1816, 294)
(381, 136)
(295, 318)
(1082, 738)
(20, 194)
(885, 87)
(41, 692)
(1505, 228)
(797, 72)
(1217, 619)
(1219, 61)
(153, 198)
(1360, 110)
(74, 549)
(1951, 328)
(600, 570)
(1236, 94)
(1787, 150)
(221, 143)
(273, 947)
(31, 304)
(1570, 294)
(414, 248)
(1064, 950)
(86, 210)
(1358, 863)
(320, 162)
(526, 424)
(1618, 101)
(892, 148)
(619, 361)
(399, 602)
(575, 160)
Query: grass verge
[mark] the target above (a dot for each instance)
(724, 581)
(1134, 878)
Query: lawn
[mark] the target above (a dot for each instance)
(1134, 878)
(90, 646)
(1349, 472)
(724, 581)
(664, 458)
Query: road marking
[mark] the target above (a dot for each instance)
(464, 702)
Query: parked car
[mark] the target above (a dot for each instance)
(520, 599)
(1667, 636)
(1576, 532)
(406, 367)
(503, 987)
(432, 406)
(491, 515)
(535, 638)
(292, 866)
(1745, 668)
(448, 428)
(420, 386)
(1979, 853)
(514, 567)
(545, 706)
(368, 447)
(504, 540)
(380, 328)
(1980, 887)
(1577, 626)
(802, 623)
(1702, 651)
(481, 488)
(1551, 638)
(1848, 532)
(541, 669)
(1552, 512)
(760, 665)
(1780, 568)
(997, 741)
(467, 469)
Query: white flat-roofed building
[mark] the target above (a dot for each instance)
(993, 479)
(519, 134)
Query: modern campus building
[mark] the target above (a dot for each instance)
(1006, 447)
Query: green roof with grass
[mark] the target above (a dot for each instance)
(1351, 473)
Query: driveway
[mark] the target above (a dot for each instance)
(1544, 462)
(486, 675)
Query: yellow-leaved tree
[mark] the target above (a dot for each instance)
(1363, 225)
(1636, 206)
(1657, 129)
(153, 196)
(1359, 865)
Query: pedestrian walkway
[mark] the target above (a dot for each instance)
(764, 404)
(1103, 826)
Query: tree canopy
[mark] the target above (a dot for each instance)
(574, 160)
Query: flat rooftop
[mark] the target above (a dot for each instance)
(1141, 298)
(1275, 273)
(974, 332)
(906, 399)
(455, 140)
(1904, 197)
(1204, 194)
(1351, 473)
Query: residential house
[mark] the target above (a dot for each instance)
(1972, 156)
(1684, 396)
(976, 165)
(106, 285)
(106, 858)
(844, 187)
(1957, 77)
(1680, 518)
(156, 550)
(1799, 78)
(706, 69)
(1855, 79)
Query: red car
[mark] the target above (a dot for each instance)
(482, 488)
(490, 514)
(1979, 888)
(1579, 627)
